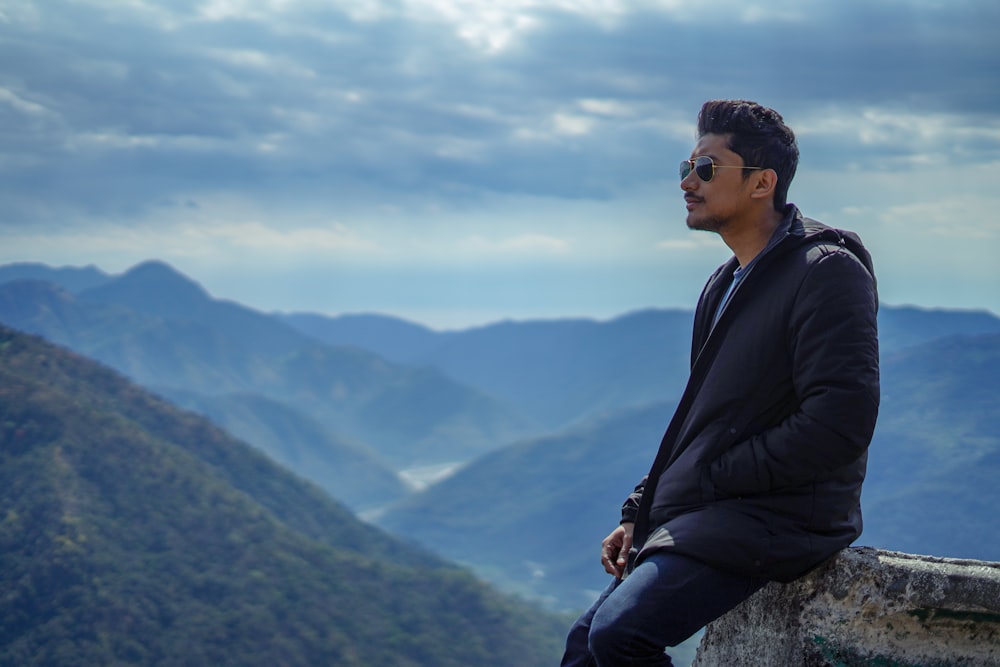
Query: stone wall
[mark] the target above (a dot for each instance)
(866, 607)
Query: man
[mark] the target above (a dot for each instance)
(758, 476)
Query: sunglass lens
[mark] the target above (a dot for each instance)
(705, 168)
(685, 168)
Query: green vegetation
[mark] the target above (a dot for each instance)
(134, 533)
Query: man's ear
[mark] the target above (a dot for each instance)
(764, 183)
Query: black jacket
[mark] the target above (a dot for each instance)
(760, 469)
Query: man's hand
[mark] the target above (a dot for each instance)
(615, 548)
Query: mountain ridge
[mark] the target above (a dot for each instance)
(214, 352)
(70, 278)
(135, 532)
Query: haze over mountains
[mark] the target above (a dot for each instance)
(242, 367)
(546, 424)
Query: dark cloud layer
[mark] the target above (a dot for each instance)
(107, 111)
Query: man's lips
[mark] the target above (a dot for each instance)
(692, 201)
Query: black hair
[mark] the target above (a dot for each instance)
(758, 135)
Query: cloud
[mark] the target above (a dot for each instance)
(607, 107)
(290, 96)
(22, 105)
(694, 241)
(220, 243)
(520, 246)
(302, 115)
(905, 136)
(336, 238)
(968, 218)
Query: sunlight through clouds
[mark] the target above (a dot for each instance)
(477, 141)
(572, 125)
(903, 128)
(948, 217)
(260, 60)
(22, 105)
(335, 238)
(694, 241)
(607, 107)
(522, 245)
(247, 241)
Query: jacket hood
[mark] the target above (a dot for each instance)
(805, 230)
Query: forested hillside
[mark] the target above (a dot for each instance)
(134, 533)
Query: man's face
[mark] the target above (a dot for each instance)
(715, 204)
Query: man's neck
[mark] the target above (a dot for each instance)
(747, 240)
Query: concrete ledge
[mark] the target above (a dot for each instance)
(866, 607)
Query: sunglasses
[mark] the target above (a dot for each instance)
(705, 167)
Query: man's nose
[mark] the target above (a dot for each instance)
(690, 182)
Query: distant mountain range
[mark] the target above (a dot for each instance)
(531, 516)
(132, 532)
(934, 465)
(555, 371)
(70, 278)
(162, 330)
(549, 423)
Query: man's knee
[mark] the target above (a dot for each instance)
(613, 640)
(613, 636)
(617, 644)
(605, 636)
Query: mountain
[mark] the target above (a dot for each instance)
(166, 332)
(492, 384)
(157, 290)
(935, 458)
(530, 517)
(197, 367)
(132, 532)
(153, 350)
(389, 337)
(406, 342)
(298, 442)
(555, 371)
(563, 370)
(70, 278)
(558, 371)
(905, 326)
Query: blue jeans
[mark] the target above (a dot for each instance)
(665, 600)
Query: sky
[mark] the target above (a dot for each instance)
(459, 162)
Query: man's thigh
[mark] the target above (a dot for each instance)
(668, 598)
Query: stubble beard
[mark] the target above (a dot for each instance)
(709, 224)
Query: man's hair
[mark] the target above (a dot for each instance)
(758, 135)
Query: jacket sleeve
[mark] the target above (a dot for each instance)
(630, 508)
(834, 358)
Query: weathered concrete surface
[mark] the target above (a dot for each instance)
(866, 607)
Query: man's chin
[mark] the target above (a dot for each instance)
(699, 224)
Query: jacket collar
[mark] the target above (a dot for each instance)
(791, 230)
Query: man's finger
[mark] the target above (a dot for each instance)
(608, 561)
